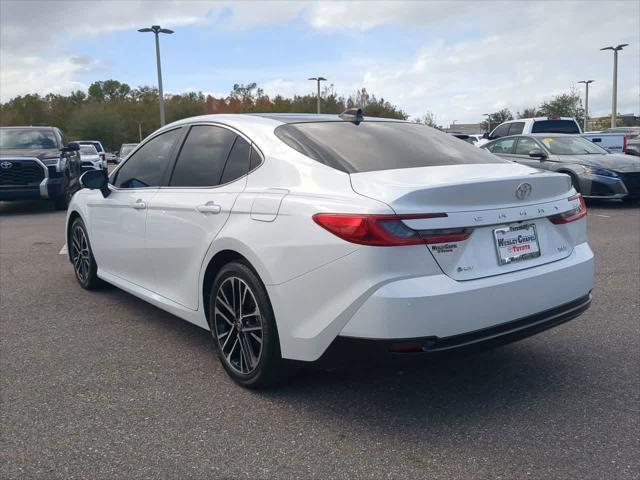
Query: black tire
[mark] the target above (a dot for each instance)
(84, 268)
(247, 345)
(62, 202)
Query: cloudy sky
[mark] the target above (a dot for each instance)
(456, 59)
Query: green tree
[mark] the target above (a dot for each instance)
(496, 118)
(529, 112)
(564, 105)
(428, 119)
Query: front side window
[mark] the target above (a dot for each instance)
(147, 166)
(374, 145)
(525, 145)
(503, 146)
(501, 131)
(516, 128)
(202, 157)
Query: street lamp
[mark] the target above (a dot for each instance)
(614, 97)
(318, 79)
(488, 115)
(157, 30)
(586, 101)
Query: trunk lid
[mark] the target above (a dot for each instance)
(482, 199)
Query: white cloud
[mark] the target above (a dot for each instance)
(485, 56)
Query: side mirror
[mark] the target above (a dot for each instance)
(486, 135)
(96, 180)
(537, 153)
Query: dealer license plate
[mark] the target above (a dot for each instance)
(516, 243)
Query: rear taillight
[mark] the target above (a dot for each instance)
(572, 215)
(386, 230)
(624, 145)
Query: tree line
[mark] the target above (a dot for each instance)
(115, 113)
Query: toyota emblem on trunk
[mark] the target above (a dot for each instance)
(523, 191)
(5, 165)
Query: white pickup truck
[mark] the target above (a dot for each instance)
(612, 142)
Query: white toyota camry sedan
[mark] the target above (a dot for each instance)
(302, 237)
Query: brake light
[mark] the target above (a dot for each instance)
(624, 145)
(572, 215)
(386, 230)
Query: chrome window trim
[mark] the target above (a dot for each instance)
(189, 125)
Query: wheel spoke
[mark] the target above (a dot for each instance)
(225, 304)
(256, 338)
(227, 340)
(224, 317)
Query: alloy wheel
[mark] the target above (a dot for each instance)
(80, 254)
(238, 325)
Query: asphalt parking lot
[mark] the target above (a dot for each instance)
(102, 385)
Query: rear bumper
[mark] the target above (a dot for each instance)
(350, 350)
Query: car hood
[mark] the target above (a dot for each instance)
(613, 161)
(40, 153)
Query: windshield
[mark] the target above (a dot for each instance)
(375, 145)
(88, 150)
(126, 150)
(96, 145)
(571, 146)
(27, 138)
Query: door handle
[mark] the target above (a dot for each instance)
(139, 205)
(209, 207)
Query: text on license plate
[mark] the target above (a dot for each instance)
(516, 243)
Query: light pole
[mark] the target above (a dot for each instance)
(140, 131)
(614, 97)
(157, 30)
(318, 79)
(488, 115)
(586, 102)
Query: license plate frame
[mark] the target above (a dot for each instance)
(527, 250)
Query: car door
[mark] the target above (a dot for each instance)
(523, 146)
(118, 221)
(185, 217)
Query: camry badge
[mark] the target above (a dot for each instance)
(523, 191)
(5, 165)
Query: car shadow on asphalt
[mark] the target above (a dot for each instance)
(27, 207)
(434, 391)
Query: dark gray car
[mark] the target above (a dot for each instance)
(594, 172)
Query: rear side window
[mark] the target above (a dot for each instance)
(238, 162)
(202, 157)
(147, 166)
(256, 159)
(555, 126)
(515, 128)
(372, 146)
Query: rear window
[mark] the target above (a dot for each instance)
(372, 145)
(555, 126)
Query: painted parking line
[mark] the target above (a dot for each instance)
(63, 250)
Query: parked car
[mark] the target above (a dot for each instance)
(111, 157)
(125, 150)
(100, 149)
(629, 132)
(301, 237)
(633, 138)
(594, 172)
(611, 142)
(533, 125)
(90, 158)
(35, 163)
(464, 137)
